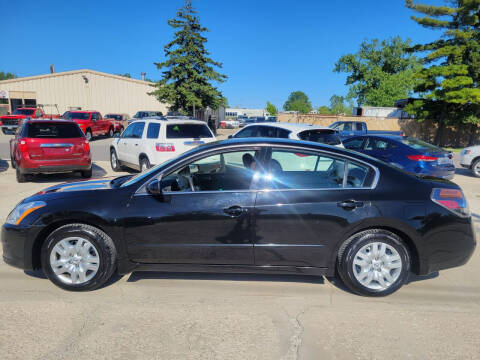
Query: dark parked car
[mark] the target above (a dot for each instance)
(347, 129)
(407, 153)
(247, 205)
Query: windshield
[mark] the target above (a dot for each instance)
(188, 131)
(23, 112)
(329, 137)
(420, 145)
(53, 130)
(79, 115)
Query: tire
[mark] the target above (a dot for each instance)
(360, 249)
(21, 178)
(88, 135)
(111, 132)
(114, 163)
(12, 162)
(87, 173)
(144, 164)
(96, 256)
(476, 168)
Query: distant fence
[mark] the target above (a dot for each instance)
(425, 130)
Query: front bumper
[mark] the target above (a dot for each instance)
(17, 243)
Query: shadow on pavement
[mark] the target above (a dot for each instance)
(4, 165)
(141, 275)
(463, 171)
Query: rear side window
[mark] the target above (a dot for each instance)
(329, 137)
(359, 126)
(153, 131)
(272, 132)
(53, 130)
(250, 131)
(420, 145)
(353, 144)
(188, 131)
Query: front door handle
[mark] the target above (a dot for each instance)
(234, 211)
(349, 204)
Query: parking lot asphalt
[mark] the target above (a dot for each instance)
(211, 316)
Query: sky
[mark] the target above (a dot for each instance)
(268, 48)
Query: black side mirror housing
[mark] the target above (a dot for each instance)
(230, 136)
(153, 188)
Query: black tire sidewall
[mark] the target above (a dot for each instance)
(20, 177)
(144, 160)
(346, 265)
(104, 271)
(117, 165)
(473, 167)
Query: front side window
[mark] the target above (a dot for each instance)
(250, 131)
(137, 130)
(227, 171)
(353, 144)
(128, 132)
(153, 130)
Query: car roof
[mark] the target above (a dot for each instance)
(170, 120)
(48, 120)
(81, 111)
(290, 126)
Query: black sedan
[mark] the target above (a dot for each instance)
(247, 205)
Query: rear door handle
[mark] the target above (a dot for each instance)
(349, 204)
(234, 211)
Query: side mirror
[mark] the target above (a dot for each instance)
(116, 135)
(154, 188)
(230, 136)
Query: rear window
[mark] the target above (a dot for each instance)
(188, 131)
(78, 116)
(23, 112)
(53, 130)
(420, 145)
(153, 130)
(329, 137)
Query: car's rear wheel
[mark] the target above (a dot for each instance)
(78, 257)
(374, 262)
(21, 178)
(111, 132)
(144, 164)
(88, 135)
(12, 162)
(114, 163)
(87, 173)
(476, 168)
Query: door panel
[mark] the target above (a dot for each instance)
(201, 228)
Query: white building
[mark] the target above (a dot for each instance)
(79, 90)
(235, 112)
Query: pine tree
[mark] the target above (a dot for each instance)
(188, 71)
(450, 79)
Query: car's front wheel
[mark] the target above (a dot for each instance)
(476, 168)
(374, 262)
(88, 135)
(115, 164)
(78, 257)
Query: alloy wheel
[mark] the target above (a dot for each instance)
(74, 260)
(377, 265)
(113, 160)
(476, 168)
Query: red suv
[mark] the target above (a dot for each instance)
(50, 146)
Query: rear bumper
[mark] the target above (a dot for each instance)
(450, 246)
(55, 168)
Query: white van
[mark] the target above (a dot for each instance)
(152, 141)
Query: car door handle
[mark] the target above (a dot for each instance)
(349, 204)
(234, 211)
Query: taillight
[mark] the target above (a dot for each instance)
(22, 145)
(164, 147)
(422, 158)
(451, 199)
(86, 146)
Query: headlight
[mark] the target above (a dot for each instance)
(22, 210)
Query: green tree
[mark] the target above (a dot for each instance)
(324, 110)
(450, 80)
(188, 71)
(380, 72)
(298, 101)
(7, 76)
(127, 75)
(338, 105)
(271, 109)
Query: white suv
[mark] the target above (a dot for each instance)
(152, 141)
(470, 158)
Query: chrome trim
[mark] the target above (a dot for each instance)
(55, 145)
(259, 145)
